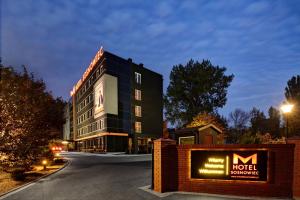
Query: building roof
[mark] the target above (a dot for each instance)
(198, 128)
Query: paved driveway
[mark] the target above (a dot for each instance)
(93, 177)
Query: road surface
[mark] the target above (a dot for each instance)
(97, 177)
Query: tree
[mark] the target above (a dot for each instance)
(29, 118)
(195, 88)
(292, 90)
(206, 118)
(239, 120)
(273, 122)
(292, 95)
(258, 121)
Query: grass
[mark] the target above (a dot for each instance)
(7, 183)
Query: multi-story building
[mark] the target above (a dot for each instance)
(66, 126)
(117, 105)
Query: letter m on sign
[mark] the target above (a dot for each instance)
(237, 157)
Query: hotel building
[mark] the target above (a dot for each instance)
(117, 105)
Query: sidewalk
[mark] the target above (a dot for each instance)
(205, 196)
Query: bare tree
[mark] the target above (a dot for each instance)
(239, 119)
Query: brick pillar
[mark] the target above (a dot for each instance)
(163, 149)
(296, 175)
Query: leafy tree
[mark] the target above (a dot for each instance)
(292, 94)
(29, 118)
(206, 118)
(273, 122)
(258, 121)
(292, 90)
(195, 88)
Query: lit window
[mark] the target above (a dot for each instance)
(138, 111)
(138, 127)
(138, 95)
(101, 124)
(138, 78)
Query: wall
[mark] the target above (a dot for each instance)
(176, 176)
(296, 175)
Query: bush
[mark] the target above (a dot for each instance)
(58, 161)
(248, 138)
(18, 174)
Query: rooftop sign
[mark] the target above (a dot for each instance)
(87, 71)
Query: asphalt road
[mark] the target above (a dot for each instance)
(93, 177)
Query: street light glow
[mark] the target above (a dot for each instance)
(287, 108)
(65, 142)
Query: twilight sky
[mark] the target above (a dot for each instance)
(258, 41)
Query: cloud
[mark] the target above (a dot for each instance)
(257, 40)
(257, 7)
(164, 9)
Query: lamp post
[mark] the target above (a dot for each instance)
(286, 109)
(44, 162)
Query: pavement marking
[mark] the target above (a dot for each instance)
(148, 189)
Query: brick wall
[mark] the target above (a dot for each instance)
(296, 178)
(175, 160)
(165, 168)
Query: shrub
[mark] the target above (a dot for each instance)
(18, 174)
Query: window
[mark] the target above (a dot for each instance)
(187, 140)
(138, 111)
(138, 95)
(138, 78)
(138, 127)
(101, 124)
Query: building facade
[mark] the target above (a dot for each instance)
(66, 126)
(205, 134)
(117, 105)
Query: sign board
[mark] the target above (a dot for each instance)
(106, 96)
(99, 97)
(250, 165)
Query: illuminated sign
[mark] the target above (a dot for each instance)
(87, 71)
(106, 95)
(99, 97)
(230, 165)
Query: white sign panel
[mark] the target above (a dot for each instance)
(106, 96)
(99, 97)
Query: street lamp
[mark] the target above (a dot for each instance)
(44, 162)
(286, 109)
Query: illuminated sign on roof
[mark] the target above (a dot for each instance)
(87, 71)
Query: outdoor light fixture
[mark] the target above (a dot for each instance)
(44, 162)
(65, 142)
(286, 109)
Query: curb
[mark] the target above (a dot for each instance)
(165, 194)
(31, 182)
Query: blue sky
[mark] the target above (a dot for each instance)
(258, 41)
